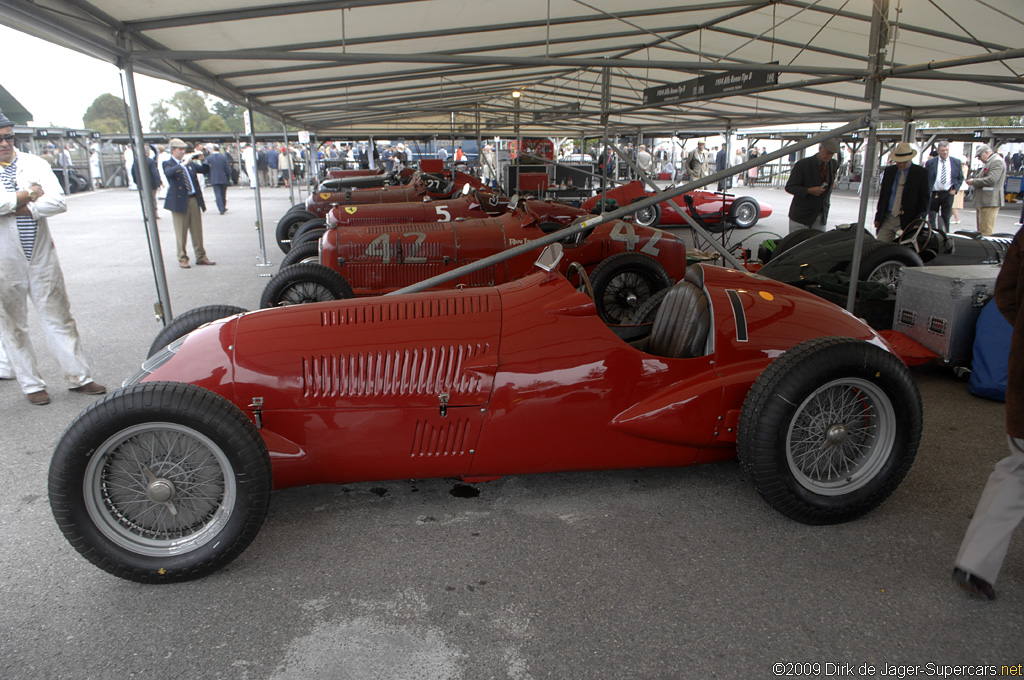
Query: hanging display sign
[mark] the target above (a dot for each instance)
(706, 87)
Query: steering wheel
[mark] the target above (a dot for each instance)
(913, 233)
(584, 279)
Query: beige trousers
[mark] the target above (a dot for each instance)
(186, 223)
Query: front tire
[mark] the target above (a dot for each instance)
(623, 283)
(160, 483)
(649, 216)
(183, 324)
(304, 283)
(288, 225)
(303, 252)
(829, 429)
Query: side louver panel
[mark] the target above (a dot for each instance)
(406, 310)
(426, 371)
(453, 437)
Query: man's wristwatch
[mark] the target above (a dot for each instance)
(32, 195)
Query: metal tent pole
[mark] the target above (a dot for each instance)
(163, 305)
(879, 39)
(259, 203)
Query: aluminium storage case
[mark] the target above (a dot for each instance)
(939, 306)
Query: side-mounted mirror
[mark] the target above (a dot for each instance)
(466, 189)
(513, 203)
(550, 257)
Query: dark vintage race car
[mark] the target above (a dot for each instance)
(627, 264)
(423, 186)
(803, 256)
(714, 211)
(169, 478)
(334, 183)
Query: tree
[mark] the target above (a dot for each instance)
(107, 113)
(191, 105)
(214, 123)
(160, 119)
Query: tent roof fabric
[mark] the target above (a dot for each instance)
(402, 67)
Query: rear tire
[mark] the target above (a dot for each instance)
(744, 212)
(883, 262)
(649, 216)
(829, 429)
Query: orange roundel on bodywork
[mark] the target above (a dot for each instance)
(766, 295)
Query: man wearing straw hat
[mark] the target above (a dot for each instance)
(904, 196)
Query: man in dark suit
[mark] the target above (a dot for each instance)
(220, 177)
(811, 181)
(904, 196)
(185, 200)
(945, 175)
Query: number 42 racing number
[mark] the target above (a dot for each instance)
(624, 231)
(380, 247)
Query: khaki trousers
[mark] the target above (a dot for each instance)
(987, 220)
(186, 223)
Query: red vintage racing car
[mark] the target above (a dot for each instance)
(472, 204)
(424, 185)
(627, 263)
(169, 478)
(714, 211)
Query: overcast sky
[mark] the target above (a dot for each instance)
(61, 84)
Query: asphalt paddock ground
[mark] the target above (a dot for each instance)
(680, 573)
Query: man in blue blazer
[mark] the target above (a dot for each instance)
(185, 200)
(945, 175)
(220, 177)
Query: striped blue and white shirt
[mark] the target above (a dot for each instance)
(26, 224)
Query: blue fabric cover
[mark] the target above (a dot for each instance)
(991, 354)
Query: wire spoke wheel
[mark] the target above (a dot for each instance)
(625, 293)
(840, 436)
(305, 292)
(159, 489)
(888, 273)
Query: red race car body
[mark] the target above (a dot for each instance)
(443, 185)
(169, 478)
(475, 204)
(715, 211)
(373, 260)
(341, 172)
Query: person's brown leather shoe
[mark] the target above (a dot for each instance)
(89, 388)
(975, 586)
(40, 398)
(205, 261)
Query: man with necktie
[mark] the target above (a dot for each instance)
(185, 200)
(945, 175)
(904, 196)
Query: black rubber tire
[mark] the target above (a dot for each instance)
(308, 226)
(646, 312)
(304, 283)
(103, 522)
(790, 240)
(302, 252)
(647, 217)
(310, 236)
(183, 324)
(288, 225)
(847, 377)
(885, 254)
(623, 282)
(744, 212)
